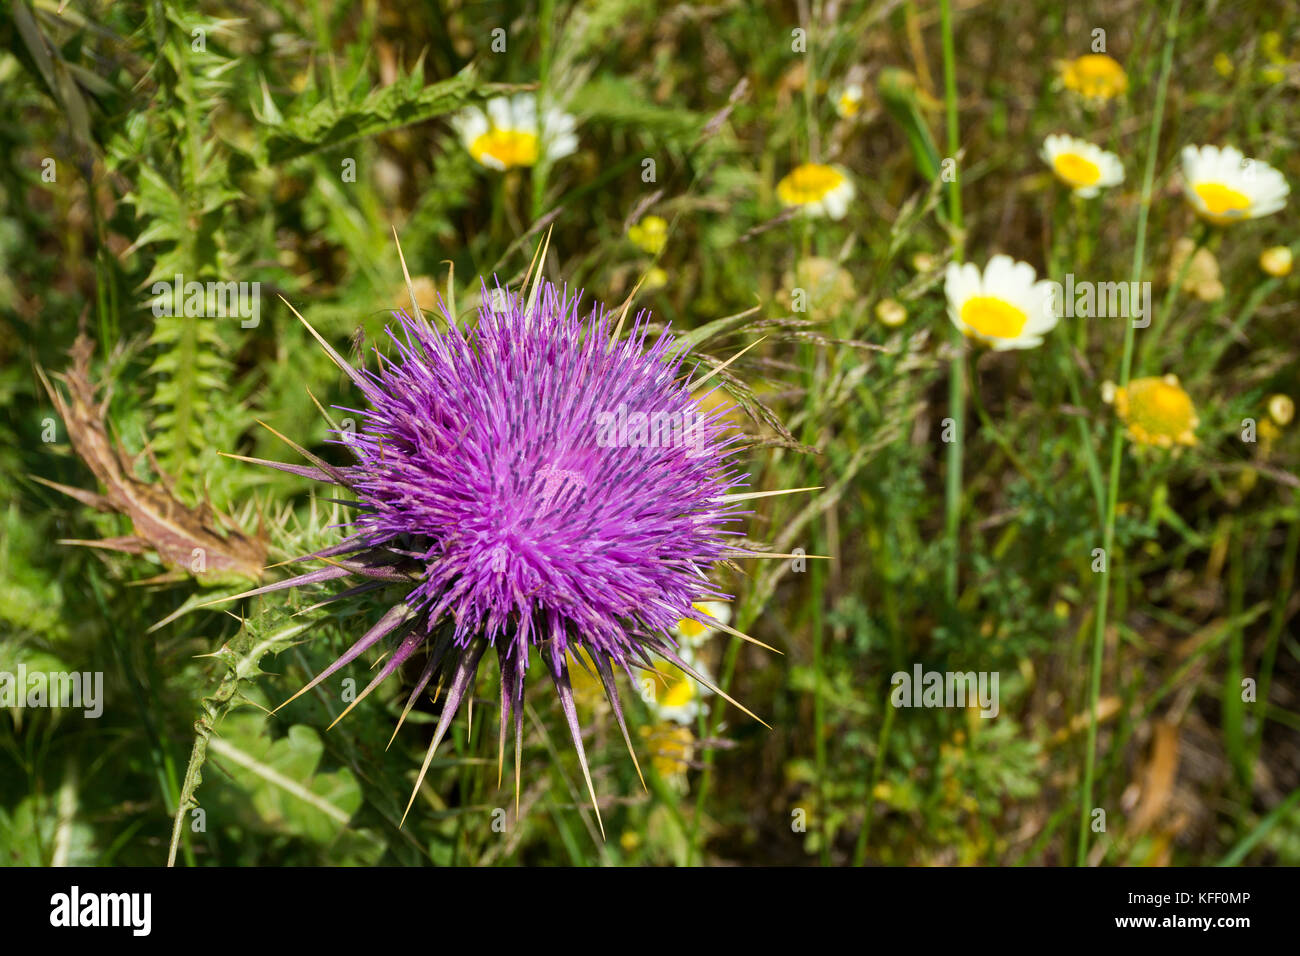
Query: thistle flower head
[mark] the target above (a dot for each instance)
(532, 481)
(494, 455)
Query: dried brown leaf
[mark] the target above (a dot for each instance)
(196, 541)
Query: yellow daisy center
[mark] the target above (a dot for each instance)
(690, 628)
(1157, 412)
(849, 104)
(993, 318)
(509, 147)
(808, 183)
(1075, 170)
(1221, 200)
(679, 691)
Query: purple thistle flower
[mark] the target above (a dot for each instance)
(532, 481)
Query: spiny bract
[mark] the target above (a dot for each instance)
(530, 480)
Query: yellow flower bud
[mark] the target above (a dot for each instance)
(1281, 409)
(891, 313)
(1276, 261)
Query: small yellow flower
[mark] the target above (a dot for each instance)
(671, 748)
(1224, 186)
(655, 278)
(923, 262)
(1223, 64)
(1281, 409)
(849, 102)
(1271, 45)
(817, 189)
(1085, 168)
(1272, 75)
(1276, 261)
(650, 234)
(891, 313)
(1095, 76)
(1156, 411)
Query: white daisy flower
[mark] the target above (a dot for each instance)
(1007, 307)
(1085, 168)
(693, 633)
(1223, 186)
(849, 102)
(507, 133)
(818, 190)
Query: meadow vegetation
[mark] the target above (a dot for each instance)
(1104, 515)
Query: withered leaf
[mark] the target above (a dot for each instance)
(201, 542)
(1158, 777)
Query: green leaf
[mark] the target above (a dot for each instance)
(408, 101)
(30, 836)
(281, 777)
(618, 103)
(898, 93)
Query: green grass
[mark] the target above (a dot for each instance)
(1162, 692)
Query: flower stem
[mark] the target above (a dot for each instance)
(1286, 582)
(546, 17)
(1160, 319)
(1116, 442)
(957, 376)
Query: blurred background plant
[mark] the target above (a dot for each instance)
(283, 143)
